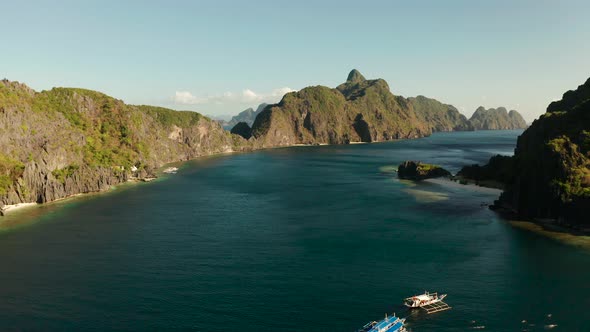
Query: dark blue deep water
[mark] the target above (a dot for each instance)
(297, 239)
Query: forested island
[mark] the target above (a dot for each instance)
(67, 141)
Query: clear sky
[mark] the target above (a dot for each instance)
(220, 57)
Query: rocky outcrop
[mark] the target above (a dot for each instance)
(358, 110)
(415, 170)
(498, 172)
(248, 116)
(66, 141)
(355, 76)
(242, 129)
(496, 119)
(439, 116)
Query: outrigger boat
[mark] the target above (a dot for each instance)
(389, 324)
(431, 302)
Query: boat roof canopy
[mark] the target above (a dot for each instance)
(422, 297)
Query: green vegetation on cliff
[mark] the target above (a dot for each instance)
(549, 175)
(415, 170)
(10, 171)
(362, 110)
(66, 141)
(496, 119)
(440, 117)
(357, 110)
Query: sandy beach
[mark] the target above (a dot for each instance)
(13, 207)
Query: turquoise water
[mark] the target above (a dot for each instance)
(299, 239)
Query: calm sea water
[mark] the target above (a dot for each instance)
(299, 239)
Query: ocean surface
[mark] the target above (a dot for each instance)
(298, 239)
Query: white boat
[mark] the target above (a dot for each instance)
(426, 299)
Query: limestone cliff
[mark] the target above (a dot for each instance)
(439, 116)
(67, 141)
(358, 110)
(248, 116)
(496, 119)
(552, 163)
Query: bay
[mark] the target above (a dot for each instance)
(297, 239)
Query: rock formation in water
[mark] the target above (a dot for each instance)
(358, 110)
(415, 170)
(67, 141)
(496, 119)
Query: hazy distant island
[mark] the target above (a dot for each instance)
(67, 141)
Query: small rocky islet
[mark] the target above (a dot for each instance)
(417, 171)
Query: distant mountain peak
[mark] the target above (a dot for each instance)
(355, 76)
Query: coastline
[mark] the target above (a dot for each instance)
(11, 208)
(555, 231)
(14, 207)
(547, 229)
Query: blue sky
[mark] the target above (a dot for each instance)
(219, 57)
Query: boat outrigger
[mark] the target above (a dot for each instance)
(389, 324)
(430, 302)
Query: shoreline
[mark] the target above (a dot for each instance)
(11, 208)
(548, 229)
(15, 207)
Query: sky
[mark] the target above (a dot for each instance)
(220, 57)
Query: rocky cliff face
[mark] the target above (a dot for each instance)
(358, 110)
(552, 163)
(242, 129)
(67, 141)
(439, 116)
(496, 119)
(248, 116)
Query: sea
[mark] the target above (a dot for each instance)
(322, 238)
